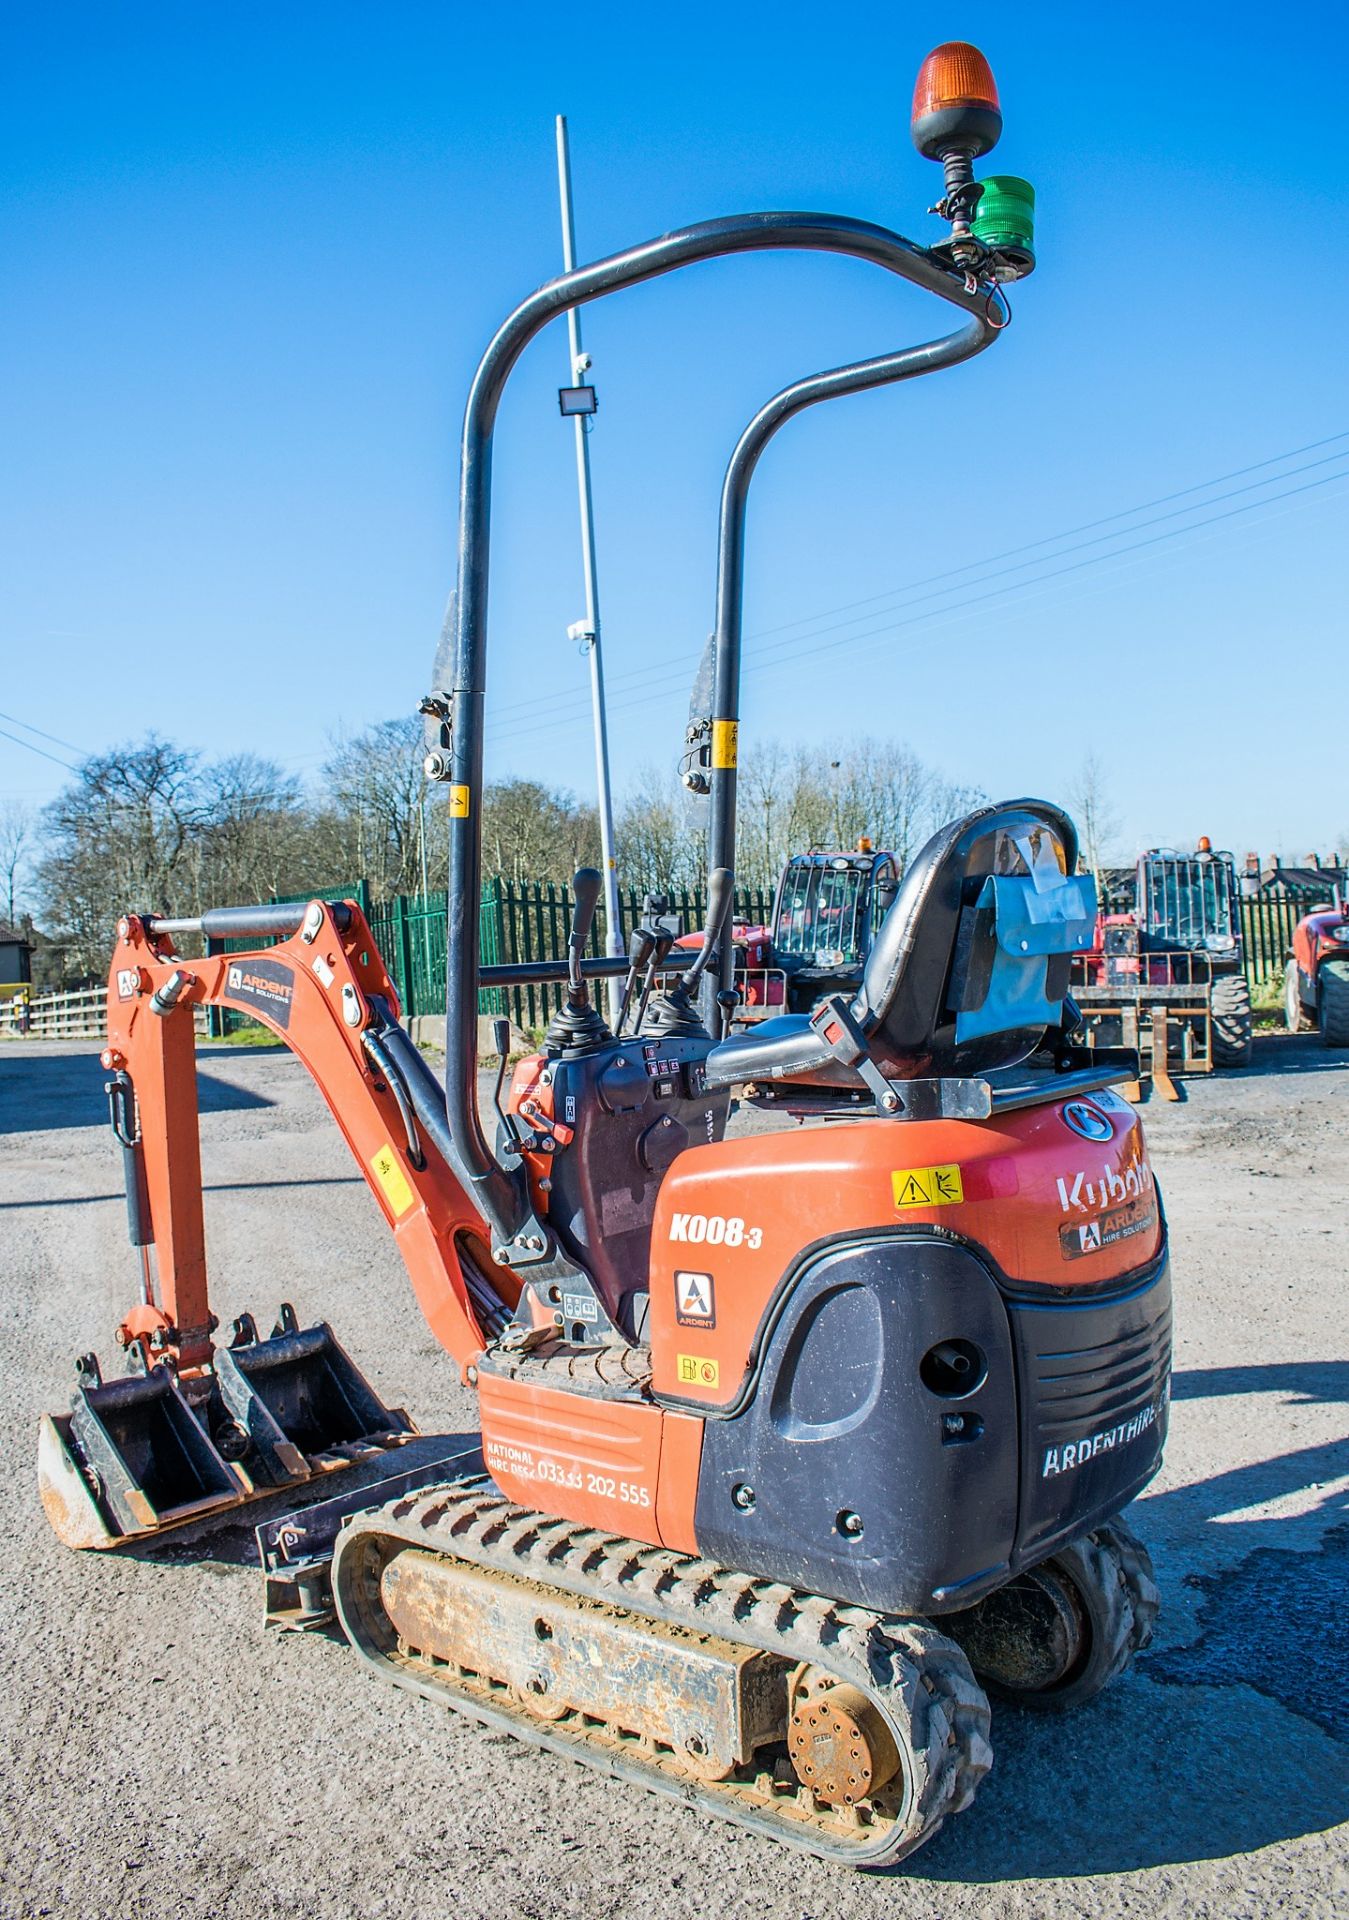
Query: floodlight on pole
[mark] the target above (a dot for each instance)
(579, 402)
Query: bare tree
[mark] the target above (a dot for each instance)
(120, 837)
(1097, 819)
(530, 832)
(660, 836)
(17, 836)
(370, 819)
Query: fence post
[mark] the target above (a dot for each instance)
(402, 934)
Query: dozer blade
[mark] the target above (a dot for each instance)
(139, 1456)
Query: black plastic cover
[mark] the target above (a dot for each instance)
(916, 1432)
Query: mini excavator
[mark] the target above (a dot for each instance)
(795, 1444)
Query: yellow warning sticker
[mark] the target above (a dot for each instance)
(927, 1187)
(725, 741)
(458, 803)
(392, 1180)
(692, 1370)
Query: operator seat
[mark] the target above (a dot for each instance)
(969, 969)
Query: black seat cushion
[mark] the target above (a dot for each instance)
(906, 1005)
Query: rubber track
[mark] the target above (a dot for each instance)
(918, 1676)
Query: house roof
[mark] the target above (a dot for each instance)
(11, 936)
(1317, 880)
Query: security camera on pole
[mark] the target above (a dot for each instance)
(578, 401)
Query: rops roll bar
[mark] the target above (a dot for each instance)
(500, 1194)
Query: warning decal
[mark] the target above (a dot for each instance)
(691, 1370)
(458, 802)
(393, 1181)
(695, 1300)
(725, 742)
(927, 1187)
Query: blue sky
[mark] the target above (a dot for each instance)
(250, 256)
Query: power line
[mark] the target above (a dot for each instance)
(646, 675)
(978, 600)
(4, 735)
(28, 727)
(1124, 513)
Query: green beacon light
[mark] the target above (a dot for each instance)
(1004, 222)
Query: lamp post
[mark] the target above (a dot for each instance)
(579, 402)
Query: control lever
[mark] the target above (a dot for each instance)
(501, 1042)
(585, 888)
(719, 896)
(728, 1000)
(577, 1028)
(662, 941)
(640, 949)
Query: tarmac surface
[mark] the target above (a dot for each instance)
(165, 1756)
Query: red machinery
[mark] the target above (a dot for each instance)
(793, 1442)
(827, 908)
(1316, 980)
(1164, 972)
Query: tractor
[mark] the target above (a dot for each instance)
(1316, 980)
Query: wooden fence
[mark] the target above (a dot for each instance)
(79, 1015)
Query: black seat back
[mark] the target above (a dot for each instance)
(969, 968)
(942, 949)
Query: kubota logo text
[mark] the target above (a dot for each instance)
(1078, 1193)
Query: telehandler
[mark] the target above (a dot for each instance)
(794, 1442)
(1165, 973)
(827, 908)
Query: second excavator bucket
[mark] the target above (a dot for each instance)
(302, 1403)
(138, 1456)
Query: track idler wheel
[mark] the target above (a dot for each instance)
(1059, 1633)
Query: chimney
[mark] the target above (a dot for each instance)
(1253, 863)
(1314, 862)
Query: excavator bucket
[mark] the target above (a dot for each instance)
(129, 1459)
(302, 1402)
(137, 1456)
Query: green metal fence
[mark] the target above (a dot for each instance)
(519, 921)
(529, 920)
(1267, 925)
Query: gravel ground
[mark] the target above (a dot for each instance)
(166, 1757)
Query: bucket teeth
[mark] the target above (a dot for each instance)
(139, 1455)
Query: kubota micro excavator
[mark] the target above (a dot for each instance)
(791, 1440)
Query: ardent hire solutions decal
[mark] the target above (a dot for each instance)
(264, 984)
